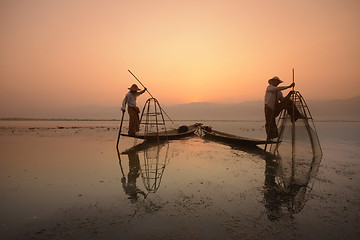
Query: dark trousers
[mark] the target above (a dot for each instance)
(134, 122)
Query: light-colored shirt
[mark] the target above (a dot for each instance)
(130, 99)
(273, 94)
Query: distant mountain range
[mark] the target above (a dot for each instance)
(321, 110)
(345, 109)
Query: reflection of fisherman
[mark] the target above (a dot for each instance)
(130, 187)
(133, 110)
(275, 103)
(278, 194)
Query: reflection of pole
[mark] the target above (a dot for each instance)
(121, 168)
(293, 119)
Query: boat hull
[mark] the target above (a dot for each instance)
(165, 135)
(230, 138)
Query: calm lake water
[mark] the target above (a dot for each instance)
(66, 180)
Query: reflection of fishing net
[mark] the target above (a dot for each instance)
(152, 166)
(298, 153)
(152, 117)
(295, 180)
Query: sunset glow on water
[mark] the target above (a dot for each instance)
(69, 181)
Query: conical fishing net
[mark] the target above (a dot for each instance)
(297, 139)
(152, 118)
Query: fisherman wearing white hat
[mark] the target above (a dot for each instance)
(133, 110)
(275, 102)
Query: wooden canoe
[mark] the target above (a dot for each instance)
(164, 135)
(230, 138)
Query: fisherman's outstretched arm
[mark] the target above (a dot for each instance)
(141, 92)
(275, 89)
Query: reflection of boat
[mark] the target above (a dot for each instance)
(181, 132)
(144, 146)
(288, 185)
(230, 138)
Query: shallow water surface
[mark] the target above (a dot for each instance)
(69, 182)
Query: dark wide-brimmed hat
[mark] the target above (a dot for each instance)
(134, 88)
(274, 80)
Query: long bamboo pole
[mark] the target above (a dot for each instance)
(122, 119)
(150, 95)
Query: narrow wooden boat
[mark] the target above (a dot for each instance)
(230, 138)
(178, 133)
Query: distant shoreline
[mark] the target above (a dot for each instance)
(117, 120)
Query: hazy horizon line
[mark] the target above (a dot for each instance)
(126, 120)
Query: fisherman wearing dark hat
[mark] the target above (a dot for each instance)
(133, 110)
(275, 102)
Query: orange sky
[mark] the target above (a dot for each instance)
(65, 53)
